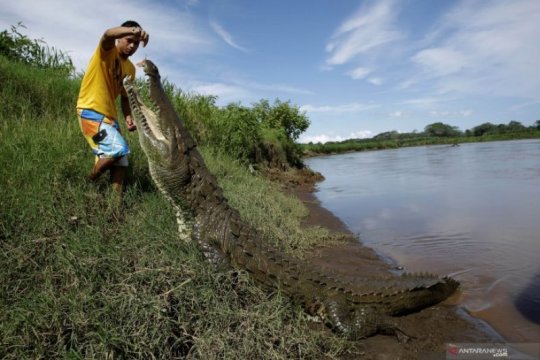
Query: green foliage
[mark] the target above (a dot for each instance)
(18, 47)
(197, 111)
(442, 130)
(515, 126)
(512, 128)
(485, 129)
(279, 151)
(235, 131)
(31, 92)
(282, 115)
(262, 135)
(387, 135)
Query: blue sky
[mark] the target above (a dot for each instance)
(357, 68)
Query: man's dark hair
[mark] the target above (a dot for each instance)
(131, 23)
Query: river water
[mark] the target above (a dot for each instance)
(471, 211)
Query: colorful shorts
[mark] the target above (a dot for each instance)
(103, 136)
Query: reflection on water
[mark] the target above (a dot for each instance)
(470, 210)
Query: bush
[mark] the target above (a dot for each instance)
(235, 131)
(282, 115)
(18, 47)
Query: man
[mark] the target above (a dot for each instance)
(96, 108)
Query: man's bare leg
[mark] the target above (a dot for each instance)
(102, 165)
(118, 174)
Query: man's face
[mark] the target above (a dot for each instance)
(128, 45)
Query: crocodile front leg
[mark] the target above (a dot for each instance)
(210, 251)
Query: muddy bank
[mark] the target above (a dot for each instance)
(431, 329)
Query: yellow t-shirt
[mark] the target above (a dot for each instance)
(102, 81)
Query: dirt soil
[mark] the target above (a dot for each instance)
(430, 329)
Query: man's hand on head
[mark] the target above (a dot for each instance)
(142, 34)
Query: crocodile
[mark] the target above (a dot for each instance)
(356, 309)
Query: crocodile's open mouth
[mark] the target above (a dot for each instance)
(148, 121)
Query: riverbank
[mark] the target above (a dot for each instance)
(431, 329)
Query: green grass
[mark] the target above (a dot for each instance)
(82, 278)
(275, 214)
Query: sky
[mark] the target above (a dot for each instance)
(356, 68)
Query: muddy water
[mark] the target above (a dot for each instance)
(472, 211)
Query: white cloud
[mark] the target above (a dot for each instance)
(177, 38)
(226, 93)
(359, 73)
(369, 28)
(240, 90)
(425, 101)
(226, 36)
(451, 113)
(363, 134)
(407, 84)
(274, 88)
(523, 105)
(375, 81)
(304, 139)
(441, 61)
(396, 114)
(487, 48)
(482, 48)
(324, 138)
(346, 108)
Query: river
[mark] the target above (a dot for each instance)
(471, 211)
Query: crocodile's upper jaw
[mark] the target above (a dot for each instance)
(157, 129)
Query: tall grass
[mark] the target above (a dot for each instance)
(35, 52)
(82, 278)
(34, 93)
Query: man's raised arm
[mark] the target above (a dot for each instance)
(109, 37)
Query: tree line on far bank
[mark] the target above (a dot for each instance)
(433, 134)
(444, 130)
